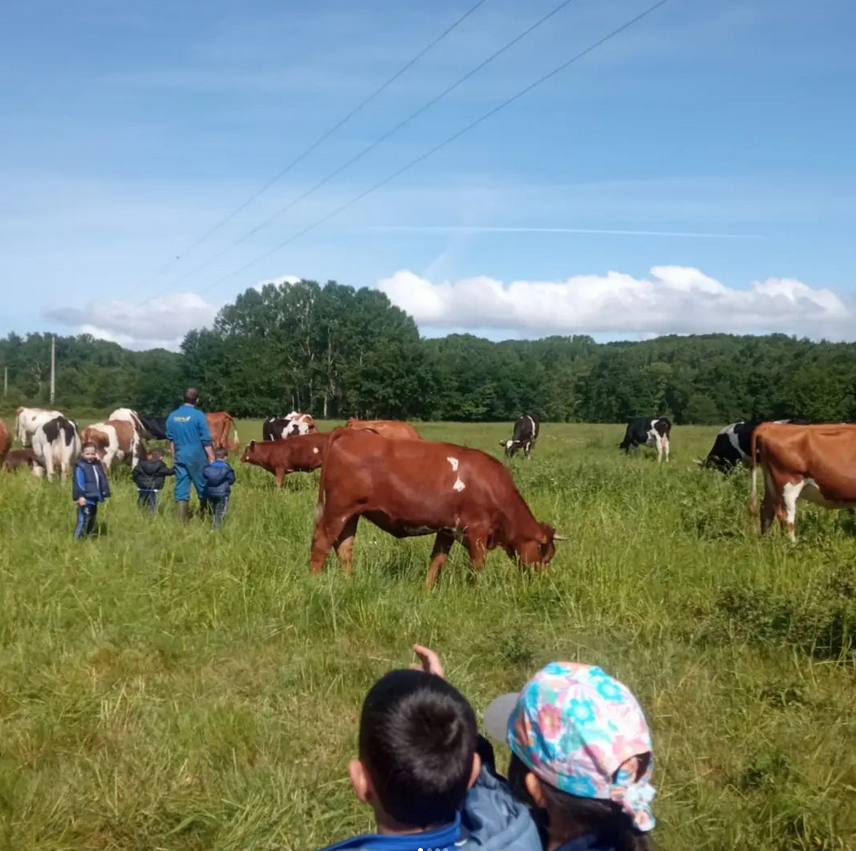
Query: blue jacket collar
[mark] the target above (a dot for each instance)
(443, 837)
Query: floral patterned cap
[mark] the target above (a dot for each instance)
(575, 727)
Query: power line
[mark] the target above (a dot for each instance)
(441, 145)
(319, 141)
(370, 147)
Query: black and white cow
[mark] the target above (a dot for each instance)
(524, 435)
(291, 425)
(647, 431)
(733, 444)
(56, 443)
(155, 426)
(275, 428)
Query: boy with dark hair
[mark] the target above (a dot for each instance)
(219, 478)
(149, 477)
(89, 487)
(427, 774)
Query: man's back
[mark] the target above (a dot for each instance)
(188, 429)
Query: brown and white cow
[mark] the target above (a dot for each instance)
(416, 487)
(392, 429)
(224, 434)
(29, 419)
(116, 441)
(56, 443)
(131, 416)
(813, 462)
(300, 454)
(5, 441)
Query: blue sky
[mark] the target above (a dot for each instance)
(130, 129)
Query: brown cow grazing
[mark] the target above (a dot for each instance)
(224, 434)
(813, 462)
(391, 429)
(5, 441)
(299, 454)
(19, 458)
(415, 487)
(116, 440)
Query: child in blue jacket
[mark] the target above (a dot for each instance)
(219, 478)
(89, 487)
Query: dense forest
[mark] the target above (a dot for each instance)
(336, 351)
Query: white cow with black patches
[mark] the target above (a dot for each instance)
(56, 443)
(648, 431)
(525, 433)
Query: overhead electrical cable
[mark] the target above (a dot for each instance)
(431, 151)
(317, 143)
(371, 146)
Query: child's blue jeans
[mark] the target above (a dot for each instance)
(85, 520)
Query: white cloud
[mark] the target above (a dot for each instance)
(159, 323)
(674, 299)
(282, 279)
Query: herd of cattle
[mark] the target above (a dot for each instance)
(384, 471)
(51, 441)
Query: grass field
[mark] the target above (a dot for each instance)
(165, 687)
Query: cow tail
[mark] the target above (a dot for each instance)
(753, 493)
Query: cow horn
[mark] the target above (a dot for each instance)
(561, 538)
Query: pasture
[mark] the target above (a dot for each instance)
(166, 687)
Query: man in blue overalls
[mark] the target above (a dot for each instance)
(190, 441)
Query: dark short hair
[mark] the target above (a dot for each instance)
(87, 443)
(417, 742)
(221, 453)
(191, 395)
(157, 453)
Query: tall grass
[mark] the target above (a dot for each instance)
(166, 686)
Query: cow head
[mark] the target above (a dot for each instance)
(538, 551)
(511, 446)
(249, 455)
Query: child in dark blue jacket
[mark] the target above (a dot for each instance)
(89, 487)
(149, 476)
(219, 478)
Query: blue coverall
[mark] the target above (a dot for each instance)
(188, 429)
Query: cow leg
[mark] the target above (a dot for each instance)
(49, 465)
(476, 544)
(788, 510)
(666, 442)
(345, 544)
(442, 544)
(326, 534)
(768, 509)
(280, 475)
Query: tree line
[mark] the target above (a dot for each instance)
(336, 351)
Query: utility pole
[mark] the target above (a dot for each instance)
(5, 380)
(53, 367)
